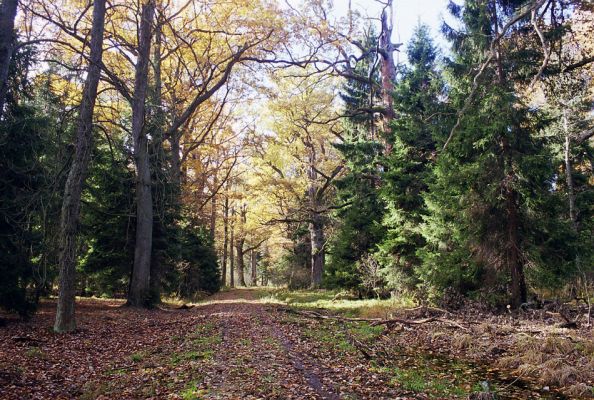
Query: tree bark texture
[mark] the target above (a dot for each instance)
(253, 265)
(225, 240)
(388, 69)
(318, 257)
(316, 224)
(240, 261)
(157, 155)
(232, 257)
(213, 209)
(568, 174)
(140, 282)
(8, 10)
(513, 252)
(69, 223)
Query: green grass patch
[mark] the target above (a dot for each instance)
(35, 352)
(366, 332)
(191, 392)
(335, 301)
(421, 380)
(329, 336)
(193, 355)
(270, 341)
(118, 371)
(207, 341)
(138, 356)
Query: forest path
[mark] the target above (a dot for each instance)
(238, 344)
(263, 353)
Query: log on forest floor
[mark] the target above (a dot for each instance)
(377, 321)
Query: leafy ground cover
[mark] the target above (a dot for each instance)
(256, 343)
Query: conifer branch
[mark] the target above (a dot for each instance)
(490, 55)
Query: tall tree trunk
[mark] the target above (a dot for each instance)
(240, 262)
(174, 140)
(571, 195)
(318, 257)
(231, 256)
(8, 10)
(225, 240)
(69, 224)
(253, 264)
(519, 292)
(213, 209)
(568, 174)
(138, 295)
(161, 202)
(388, 69)
(316, 224)
(513, 252)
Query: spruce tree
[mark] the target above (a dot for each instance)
(107, 219)
(490, 201)
(359, 209)
(418, 127)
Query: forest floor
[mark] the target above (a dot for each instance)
(262, 343)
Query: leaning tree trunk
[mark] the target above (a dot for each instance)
(139, 293)
(65, 320)
(316, 231)
(240, 262)
(8, 10)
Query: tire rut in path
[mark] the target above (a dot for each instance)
(253, 348)
(310, 376)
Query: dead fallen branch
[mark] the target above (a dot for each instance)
(26, 339)
(403, 321)
(377, 321)
(425, 309)
(569, 323)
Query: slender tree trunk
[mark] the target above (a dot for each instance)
(140, 283)
(254, 263)
(225, 239)
(176, 160)
(213, 209)
(518, 280)
(571, 198)
(240, 262)
(8, 10)
(568, 174)
(318, 257)
(513, 254)
(231, 257)
(69, 224)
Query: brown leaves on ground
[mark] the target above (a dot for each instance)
(36, 363)
(235, 347)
